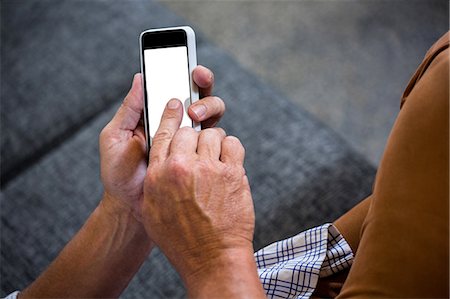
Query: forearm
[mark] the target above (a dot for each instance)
(233, 274)
(99, 261)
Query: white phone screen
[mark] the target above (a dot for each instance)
(166, 77)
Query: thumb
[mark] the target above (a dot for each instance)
(129, 113)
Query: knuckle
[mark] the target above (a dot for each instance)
(220, 105)
(178, 167)
(211, 76)
(207, 74)
(186, 130)
(210, 132)
(162, 135)
(234, 145)
(169, 114)
(220, 131)
(233, 173)
(204, 167)
(233, 142)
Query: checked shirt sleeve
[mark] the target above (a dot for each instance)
(290, 268)
(12, 295)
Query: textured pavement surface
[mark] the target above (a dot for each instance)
(346, 62)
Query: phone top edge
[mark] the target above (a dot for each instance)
(187, 29)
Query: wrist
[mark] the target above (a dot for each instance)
(230, 273)
(124, 218)
(118, 209)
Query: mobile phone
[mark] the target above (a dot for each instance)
(168, 58)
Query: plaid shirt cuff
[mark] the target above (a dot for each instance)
(290, 268)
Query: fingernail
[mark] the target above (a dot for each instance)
(199, 110)
(173, 104)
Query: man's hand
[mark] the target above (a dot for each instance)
(198, 207)
(122, 153)
(122, 143)
(106, 253)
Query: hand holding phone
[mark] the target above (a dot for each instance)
(168, 58)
